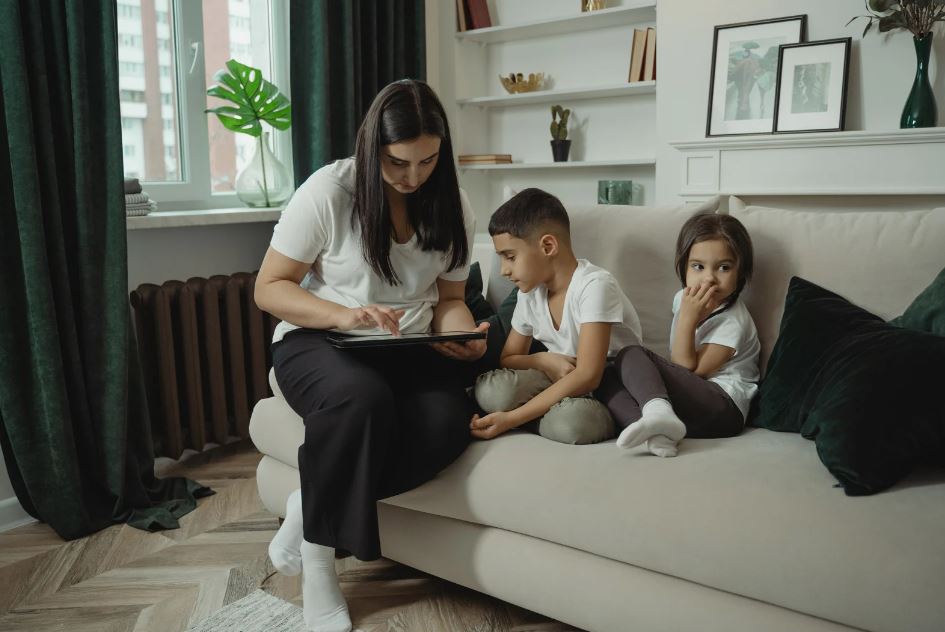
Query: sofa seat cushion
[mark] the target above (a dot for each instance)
(756, 515)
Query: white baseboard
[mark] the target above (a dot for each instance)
(12, 514)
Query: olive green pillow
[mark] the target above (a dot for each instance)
(865, 391)
(927, 311)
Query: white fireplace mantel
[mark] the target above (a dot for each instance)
(897, 162)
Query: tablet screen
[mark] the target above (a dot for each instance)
(381, 340)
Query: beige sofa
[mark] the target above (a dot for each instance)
(748, 533)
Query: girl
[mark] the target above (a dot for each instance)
(379, 242)
(706, 389)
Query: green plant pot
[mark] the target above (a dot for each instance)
(920, 109)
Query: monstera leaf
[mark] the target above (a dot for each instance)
(255, 100)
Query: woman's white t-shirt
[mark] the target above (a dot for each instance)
(593, 296)
(733, 328)
(316, 228)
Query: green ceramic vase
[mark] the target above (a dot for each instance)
(921, 110)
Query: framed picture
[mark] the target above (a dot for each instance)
(744, 74)
(811, 93)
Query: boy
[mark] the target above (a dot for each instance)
(573, 307)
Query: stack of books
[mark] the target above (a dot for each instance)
(485, 159)
(137, 201)
(643, 56)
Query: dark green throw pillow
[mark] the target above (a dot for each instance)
(475, 301)
(865, 391)
(927, 311)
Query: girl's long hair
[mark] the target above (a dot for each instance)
(706, 226)
(401, 112)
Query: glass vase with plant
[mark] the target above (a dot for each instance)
(265, 180)
(919, 18)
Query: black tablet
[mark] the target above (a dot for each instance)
(343, 341)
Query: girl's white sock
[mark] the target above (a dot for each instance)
(323, 605)
(284, 550)
(661, 445)
(658, 418)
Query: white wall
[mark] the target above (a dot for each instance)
(882, 68)
(881, 71)
(11, 513)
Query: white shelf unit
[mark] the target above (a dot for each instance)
(585, 58)
(570, 164)
(617, 16)
(573, 94)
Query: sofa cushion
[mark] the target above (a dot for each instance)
(927, 311)
(637, 245)
(856, 253)
(864, 390)
(756, 515)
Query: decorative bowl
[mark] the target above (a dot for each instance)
(517, 82)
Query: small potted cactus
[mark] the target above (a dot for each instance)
(560, 144)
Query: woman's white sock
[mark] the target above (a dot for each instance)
(658, 418)
(323, 605)
(661, 445)
(284, 550)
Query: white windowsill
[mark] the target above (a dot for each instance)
(210, 217)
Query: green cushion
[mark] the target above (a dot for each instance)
(865, 391)
(927, 312)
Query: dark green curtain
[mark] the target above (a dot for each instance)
(74, 426)
(341, 54)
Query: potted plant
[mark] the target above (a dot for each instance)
(560, 145)
(919, 18)
(265, 180)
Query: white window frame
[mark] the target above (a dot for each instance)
(193, 191)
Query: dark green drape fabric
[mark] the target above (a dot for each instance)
(74, 426)
(341, 55)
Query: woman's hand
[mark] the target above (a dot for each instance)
(698, 302)
(490, 426)
(468, 350)
(555, 365)
(371, 316)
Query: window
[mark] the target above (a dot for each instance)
(184, 156)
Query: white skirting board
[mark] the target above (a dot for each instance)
(12, 514)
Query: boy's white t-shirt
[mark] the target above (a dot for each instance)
(316, 228)
(593, 296)
(733, 328)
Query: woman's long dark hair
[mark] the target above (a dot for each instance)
(401, 112)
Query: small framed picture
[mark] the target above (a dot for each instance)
(744, 73)
(811, 94)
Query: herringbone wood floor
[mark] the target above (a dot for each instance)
(122, 579)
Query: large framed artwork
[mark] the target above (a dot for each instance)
(744, 72)
(811, 94)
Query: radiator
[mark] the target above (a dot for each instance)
(205, 356)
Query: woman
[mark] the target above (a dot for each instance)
(371, 244)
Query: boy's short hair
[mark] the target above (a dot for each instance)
(527, 212)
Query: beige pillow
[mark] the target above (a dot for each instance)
(878, 260)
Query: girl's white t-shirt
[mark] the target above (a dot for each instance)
(593, 296)
(316, 228)
(733, 328)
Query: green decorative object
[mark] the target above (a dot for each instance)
(264, 181)
(615, 191)
(919, 17)
(921, 109)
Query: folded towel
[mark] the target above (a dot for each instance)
(132, 185)
(133, 210)
(136, 198)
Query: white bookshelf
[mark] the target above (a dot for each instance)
(573, 94)
(585, 57)
(633, 13)
(570, 164)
